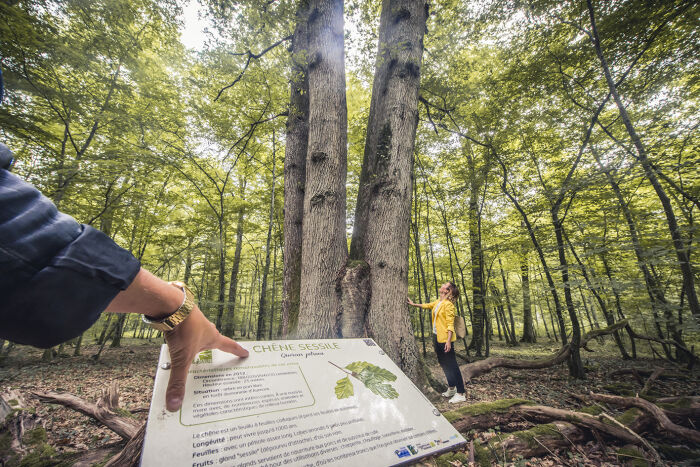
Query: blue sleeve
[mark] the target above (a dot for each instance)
(56, 276)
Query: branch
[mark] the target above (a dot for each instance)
(103, 411)
(663, 421)
(251, 56)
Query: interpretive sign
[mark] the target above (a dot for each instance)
(304, 402)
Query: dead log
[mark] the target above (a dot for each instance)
(18, 428)
(538, 441)
(131, 453)
(105, 410)
(541, 413)
(665, 424)
(485, 415)
(481, 367)
(692, 400)
(647, 386)
(638, 373)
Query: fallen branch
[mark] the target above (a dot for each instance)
(651, 449)
(638, 373)
(665, 424)
(481, 367)
(131, 453)
(104, 411)
(647, 386)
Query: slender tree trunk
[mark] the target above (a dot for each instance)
(188, 262)
(230, 328)
(221, 250)
(544, 321)
(684, 261)
(478, 308)
(609, 318)
(295, 173)
(514, 340)
(575, 364)
(266, 269)
(540, 254)
(324, 247)
(274, 291)
(430, 240)
(528, 330)
(655, 291)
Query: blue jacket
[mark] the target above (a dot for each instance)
(56, 276)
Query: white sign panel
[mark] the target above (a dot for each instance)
(305, 402)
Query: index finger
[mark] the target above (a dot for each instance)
(229, 345)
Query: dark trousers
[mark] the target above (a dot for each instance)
(448, 362)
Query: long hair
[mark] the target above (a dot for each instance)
(452, 291)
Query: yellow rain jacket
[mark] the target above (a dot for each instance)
(444, 320)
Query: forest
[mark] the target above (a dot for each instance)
(312, 163)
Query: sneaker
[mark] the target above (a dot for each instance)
(450, 392)
(458, 398)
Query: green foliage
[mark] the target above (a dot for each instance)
(127, 131)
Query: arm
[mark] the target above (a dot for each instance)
(450, 317)
(426, 306)
(58, 277)
(155, 298)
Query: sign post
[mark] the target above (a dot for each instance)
(304, 402)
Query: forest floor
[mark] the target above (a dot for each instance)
(133, 366)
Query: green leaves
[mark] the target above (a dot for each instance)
(373, 377)
(343, 388)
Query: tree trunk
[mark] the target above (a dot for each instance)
(609, 318)
(528, 329)
(575, 364)
(295, 173)
(230, 328)
(266, 269)
(514, 339)
(274, 292)
(324, 247)
(478, 305)
(540, 254)
(655, 291)
(383, 213)
(684, 260)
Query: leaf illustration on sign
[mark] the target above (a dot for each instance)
(343, 388)
(373, 377)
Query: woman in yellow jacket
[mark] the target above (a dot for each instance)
(443, 318)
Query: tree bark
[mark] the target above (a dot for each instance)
(324, 248)
(260, 334)
(230, 327)
(514, 339)
(295, 173)
(383, 213)
(528, 329)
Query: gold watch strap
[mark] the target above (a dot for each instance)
(169, 322)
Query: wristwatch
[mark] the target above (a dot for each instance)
(169, 322)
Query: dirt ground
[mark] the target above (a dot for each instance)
(133, 366)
